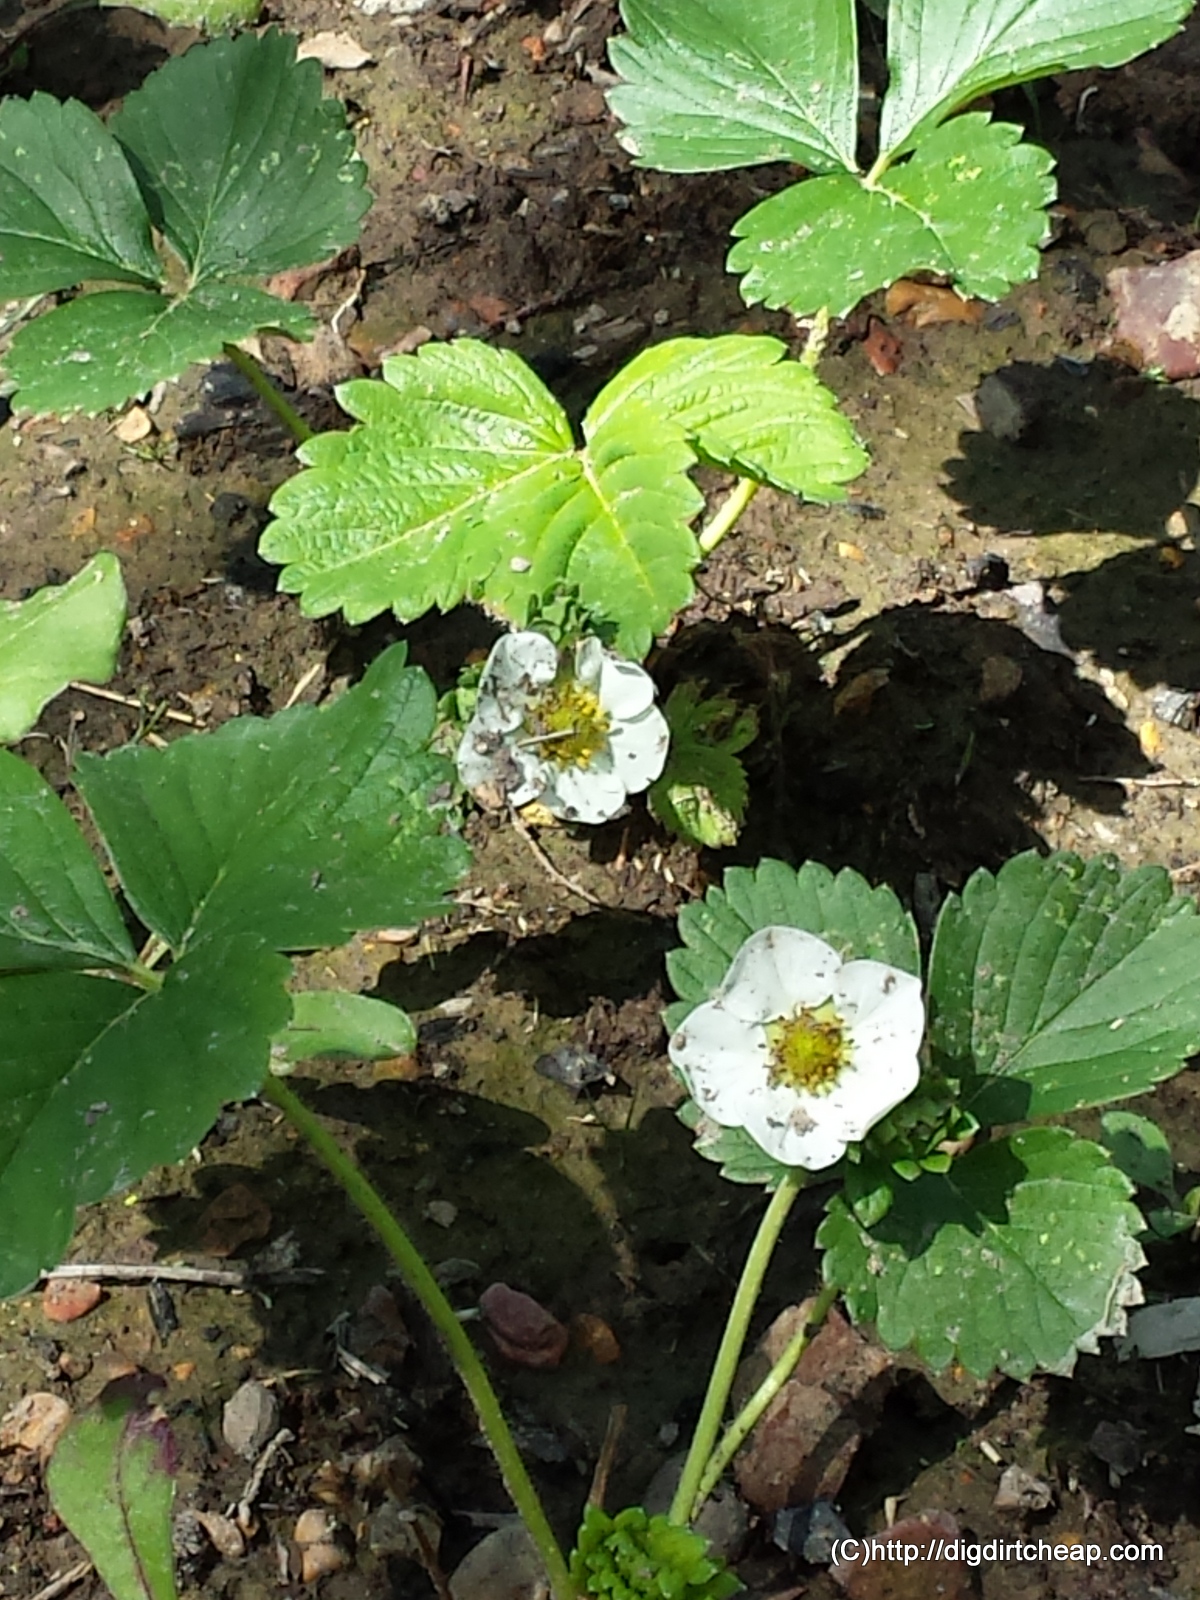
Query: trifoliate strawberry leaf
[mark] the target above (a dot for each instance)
(100, 349)
(305, 828)
(713, 84)
(244, 165)
(104, 1080)
(1059, 984)
(945, 53)
(64, 631)
(968, 203)
(70, 209)
(860, 922)
(1018, 1258)
(745, 408)
(462, 480)
(330, 1022)
(55, 907)
(702, 792)
(111, 1481)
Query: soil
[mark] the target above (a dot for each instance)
(918, 719)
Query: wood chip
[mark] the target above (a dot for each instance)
(337, 52)
(134, 426)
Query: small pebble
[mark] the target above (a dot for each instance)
(250, 1419)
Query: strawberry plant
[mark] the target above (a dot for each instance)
(227, 165)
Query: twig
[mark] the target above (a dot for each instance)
(551, 870)
(1158, 781)
(241, 1512)
(65, 1580)
(608, 1455)
(208, 1277)
(1186, 873)
(132, 702)
(303, 682)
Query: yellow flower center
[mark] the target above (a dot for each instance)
(808, 1050)
(568, 724)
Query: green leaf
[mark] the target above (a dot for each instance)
(69, 206)
(1139, 1147)
(945, 53)
(860, 922)
(64, 631)
(101, 349)
(246, 168)
(713, 84)
(55, 908)
(702, 792)
(330, 1022)
(111, 1481)
(740, 1159)
(213, 16)
(1059, 984)
(1019, 1257)
(968, 203)
(104, 1081)
(304, 828)
(745, 408)
(462, 480)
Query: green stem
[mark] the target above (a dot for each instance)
(744, 1423)
(724, 518)
(267, 392)
(441, 1313)
(686, 1504)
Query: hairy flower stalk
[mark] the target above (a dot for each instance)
(803, 1051)
(576, 730)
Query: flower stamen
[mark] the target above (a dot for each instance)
(569, 722)
(808, 1050)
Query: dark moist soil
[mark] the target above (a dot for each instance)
(917, 720)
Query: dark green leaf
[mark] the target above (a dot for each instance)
(69, 207)
(1139, 1147)
(1019, 1257)
(246, 167)
(1060, 984)
(55, 908)
(104, 1081)
(305, 828)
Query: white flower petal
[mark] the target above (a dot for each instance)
(777, 970)
(590, 661)
(723, 1061)
(520, 661)
(582, 794)
(795, 1129)
(639, 749)
(625, 690)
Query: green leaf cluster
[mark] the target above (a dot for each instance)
(462, 480)
(111, 1480)
(702, 792)
(64, 631)
(714, 84)
(231, 849)
(633, 1556)
(1052, 986)
(227, 165)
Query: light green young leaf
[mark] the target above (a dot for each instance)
(942, 54)
(969, 203)
(330, 1022)
(1060, 984)
(213, 16)
(98, 350)
(860, 922)
(69, 206)
(463, 480)
(64, 631)
(245, 166)
(745, 408)
(702, 792)
(304, 828)
(1018, 1258)
(55, 908)
(111, 1481)
(103, 1081)
(714, 84)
